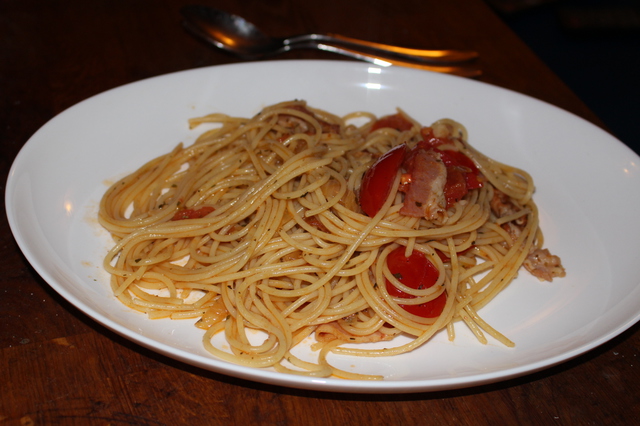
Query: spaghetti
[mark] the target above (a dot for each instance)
(297, 222)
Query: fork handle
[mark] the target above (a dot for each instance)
(386, 62)
(426, 55)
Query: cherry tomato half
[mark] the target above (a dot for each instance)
(395, 121)
(429, 140)
(458, 159)
(417, 272)
(462, 175)
(378, 180)
(456, 186)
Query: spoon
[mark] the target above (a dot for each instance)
(236, 35)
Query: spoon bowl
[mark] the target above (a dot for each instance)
(233, 33)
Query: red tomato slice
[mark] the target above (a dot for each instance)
(462, 175)
(456, 186)
(430, 140)
(415, 271)
(395, 121)
(378, 180)
(474, 181)
(192, 213)
(456, 158)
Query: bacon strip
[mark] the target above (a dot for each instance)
(539, 262)
(424, 196)
(544, 265)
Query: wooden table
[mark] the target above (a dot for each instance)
(57, 366)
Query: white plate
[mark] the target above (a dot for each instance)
(587, 191)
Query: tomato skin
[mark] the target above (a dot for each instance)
(378, 180)
(451, 158)
(417, 272)
(431, 309)
(395, 121)
(462, 175)
(456, 186)
(429, 140)
(458, 159)
(192, 213)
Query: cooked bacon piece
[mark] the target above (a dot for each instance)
(544, 265)
(333, 331)
(424, 196)
(315, 222)
(513, 230)
(329, 127)
(539, 262)
(501, 205)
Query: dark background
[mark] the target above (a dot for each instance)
(593, 46)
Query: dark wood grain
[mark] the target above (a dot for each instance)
(59, 367)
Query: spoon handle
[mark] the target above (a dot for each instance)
(426, 55)
(386, 62)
